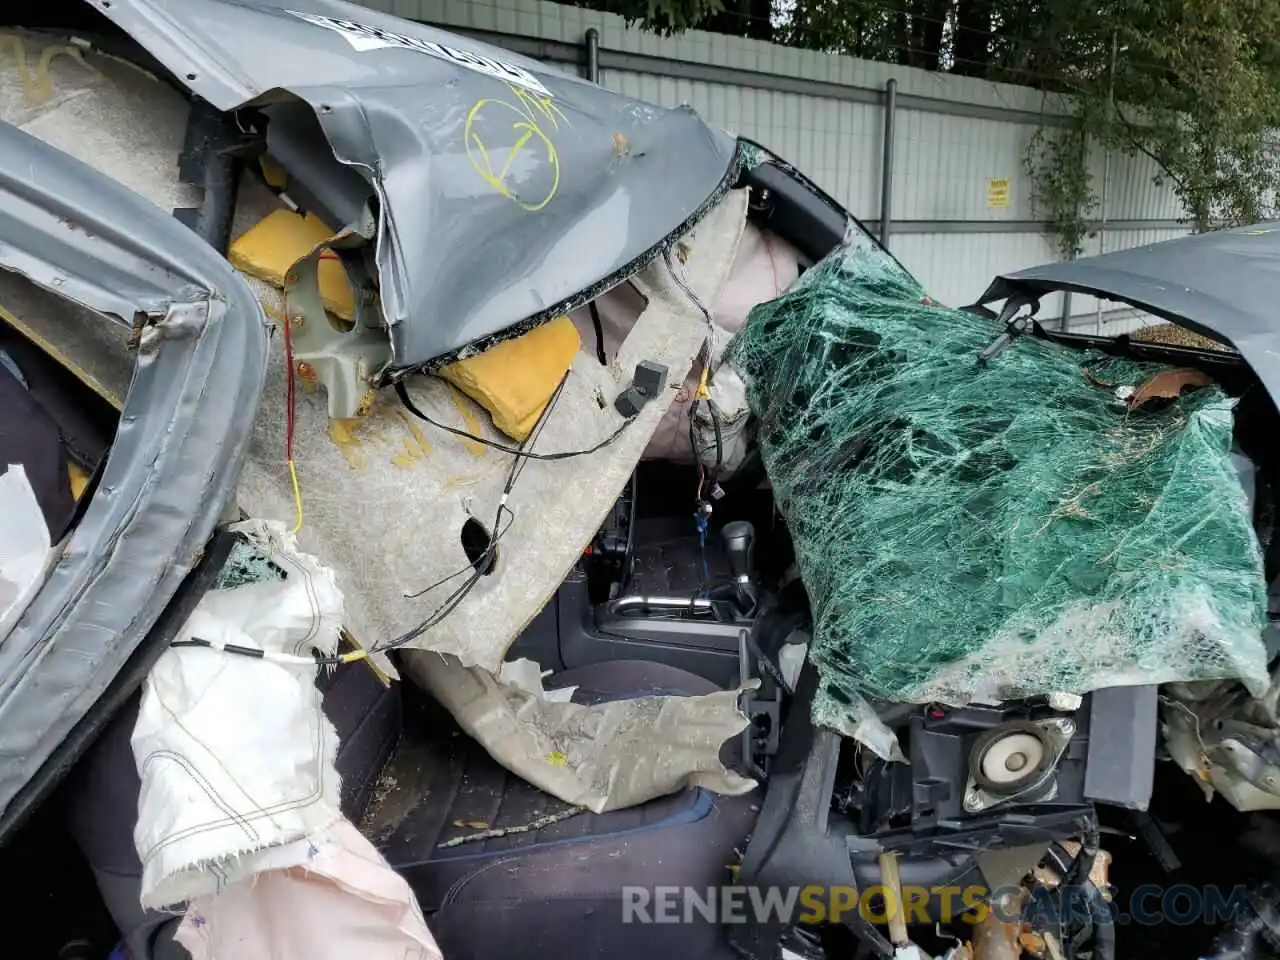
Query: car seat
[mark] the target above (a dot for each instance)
(531, 893)
(558, 890)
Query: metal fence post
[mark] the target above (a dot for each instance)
(886, 164)
(593, 54)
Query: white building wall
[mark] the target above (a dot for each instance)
(954, 135)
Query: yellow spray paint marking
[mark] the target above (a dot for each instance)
(542, 106)
(468, 414)
(531, 113)
(345, 434)
(557, 759)
(37, 86)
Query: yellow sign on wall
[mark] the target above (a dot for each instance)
(998, 193)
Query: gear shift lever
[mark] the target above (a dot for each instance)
(739, 543)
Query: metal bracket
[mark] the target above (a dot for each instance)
(766, 744)
(1016, 324)
(345, 360)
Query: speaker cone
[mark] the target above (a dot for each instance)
(1011, 757)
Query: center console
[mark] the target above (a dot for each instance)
(653, 588)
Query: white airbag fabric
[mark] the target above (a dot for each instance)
(238, 812)
(344, 903)
(234, 753)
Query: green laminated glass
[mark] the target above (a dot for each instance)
(972, 532)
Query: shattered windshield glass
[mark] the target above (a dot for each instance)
(971, 532)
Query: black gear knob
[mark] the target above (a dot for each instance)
(739, 543)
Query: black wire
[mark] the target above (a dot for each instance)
(595, 322)
(498, 531)
(520, 462)
(1078, 875)
(226, 648)
(766, 662)
(403, 393)
(479, 565)
(708, 348)
(708, 345)
(715, 425)
(693, 435)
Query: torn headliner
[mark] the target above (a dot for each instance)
(505, 194)
(1223, 284)
(384, 496)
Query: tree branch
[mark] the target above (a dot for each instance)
(1130, 127)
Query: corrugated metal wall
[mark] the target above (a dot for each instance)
(825, 114)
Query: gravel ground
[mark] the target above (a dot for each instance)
(1173, 334)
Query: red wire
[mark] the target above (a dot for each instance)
(289, 402)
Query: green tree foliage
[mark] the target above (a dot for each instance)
(743, 18)
(1192, 84)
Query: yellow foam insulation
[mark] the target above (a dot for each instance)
(269, 248)
(513, 380)
(274, 174)
(79, 478)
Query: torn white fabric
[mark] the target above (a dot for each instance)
(603, 757)
(722, 425)
(764, 267)
(387, 497)
(333, 897)
(525, 674)
(792, 656)
(25, 550)
(234, 752)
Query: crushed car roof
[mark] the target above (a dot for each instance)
(508, 190)
(1224, 284)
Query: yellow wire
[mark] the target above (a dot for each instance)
(297, 498)
(704, 391)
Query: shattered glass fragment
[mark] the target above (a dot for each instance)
(247, 564)
(988, 532)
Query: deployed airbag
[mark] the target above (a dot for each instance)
(972, 532)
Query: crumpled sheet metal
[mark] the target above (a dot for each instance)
(385, 496)
(1225, 739)
(603, 757)
(487, 165)
(178, 448)
(88, 106)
